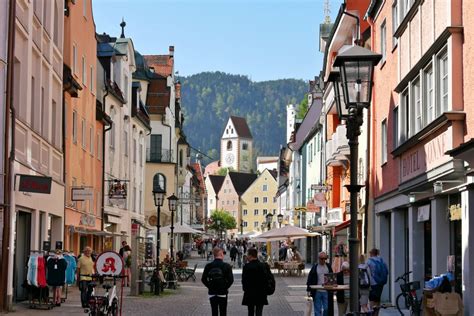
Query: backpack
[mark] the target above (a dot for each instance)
(364, 280)
(217, 281)
(380, 272)
(270, 286)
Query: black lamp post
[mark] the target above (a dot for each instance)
(356, 66)
(172, 203)
(158, 196)
(280, 219)
(218, 222)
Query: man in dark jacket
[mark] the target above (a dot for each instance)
(316, 277)
(218, 278)
(254, 283)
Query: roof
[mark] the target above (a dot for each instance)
(216, 182)
(242, 181)
(274, 173)
(162, 64)
(241, 127)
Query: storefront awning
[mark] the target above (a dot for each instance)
(113, 219)
(342, 226)
(85, 231)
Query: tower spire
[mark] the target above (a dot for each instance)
(327, 12)
(122, 25)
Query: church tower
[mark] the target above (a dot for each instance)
(237, 145)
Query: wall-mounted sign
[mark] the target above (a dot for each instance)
(455, 213)
(87, 220)
(319, 199)
(59, 245)
(117, 189)
(317, 187)
(153, 220)
(82, 194)
(109, 263)
(334, 215)
(35, 184)
(46, 245)
(424, 213)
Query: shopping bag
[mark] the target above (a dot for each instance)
(309, 306)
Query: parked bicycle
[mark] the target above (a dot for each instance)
(408, 298)
(107, 304)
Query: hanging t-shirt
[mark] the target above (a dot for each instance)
(71, 269)
(41, 275)
(56, 275)
(31, 276)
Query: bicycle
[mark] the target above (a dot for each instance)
(107, 304)
(408, 296)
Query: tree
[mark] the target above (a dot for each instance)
(226, 221)
(302, 107)
(224, 171)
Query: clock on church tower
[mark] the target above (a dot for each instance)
(236, 145)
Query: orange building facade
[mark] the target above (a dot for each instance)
(83, 133)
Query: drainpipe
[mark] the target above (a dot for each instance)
(9, 159)
(103, 154)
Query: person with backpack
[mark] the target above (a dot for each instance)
(364, 285)
(343, 278)
(257, 282)
(218, 278)
(379, 272)
(316, 277)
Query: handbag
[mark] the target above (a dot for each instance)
(308, 311)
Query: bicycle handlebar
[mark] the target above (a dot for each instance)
(403, 276)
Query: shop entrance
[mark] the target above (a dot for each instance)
(22, 250)
(456, 250)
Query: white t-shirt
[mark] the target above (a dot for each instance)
(321, 270)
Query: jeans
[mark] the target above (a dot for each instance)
(321, 301)
(86, 292)
(256, 310)
(218, 305)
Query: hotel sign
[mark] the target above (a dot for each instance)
(35, 184)
(425, 157)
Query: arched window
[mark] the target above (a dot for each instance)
(159, 183)
(229, 145)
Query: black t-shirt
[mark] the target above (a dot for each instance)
(56, 273)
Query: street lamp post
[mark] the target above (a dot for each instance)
(172, 203)
(159, 196)
(356, 66)
(280, 219)
(218, 222)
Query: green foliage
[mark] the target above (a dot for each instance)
(209, 98)
(224, 171)
(302, 107)
(226, 221)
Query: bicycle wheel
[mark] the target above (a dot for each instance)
(402, 302)
(415, 304)
(113, 309)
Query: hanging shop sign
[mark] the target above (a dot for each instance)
(82, 194)
(319, 199)
(109, 263)
(87, 220)
(334, 215)
(35, 184)
(455, 213)
(117, 189)
(153, 220)
(424, 213)
(318, 187)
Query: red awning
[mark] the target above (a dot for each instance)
(342, 226)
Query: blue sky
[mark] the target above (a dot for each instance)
(263, 39)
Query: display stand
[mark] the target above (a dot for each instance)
(38, 297)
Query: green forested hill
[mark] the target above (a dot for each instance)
(209, 98)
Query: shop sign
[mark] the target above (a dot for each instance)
(117, 189)
(87, 220)
(311, 207)
(82, 194)
(334, 215)
(109, 263)
(153, 220)
(135, 229)
(319, 199)
(317, 187)
(425, 157)
(35, 184)
(424, 213)
(455, 213)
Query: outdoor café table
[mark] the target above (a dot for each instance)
(330, 289)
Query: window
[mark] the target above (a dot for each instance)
(245, 224)
(83, 133)
(394, 23)
(33, 121)
(395, 127)
(443, 83)
(134, 150)
(265, 188)
(229, 145)
(265, 212)
(44, 116)
(265, 200)
(74, 59)
(255, 200)
(91, 139)
(245, 212)
(233, 202)
(429, 95)
(56, 24)
(255, 212)
(405, 122)
(112, 137)
(74, 127)
(384, 141)
(125, 87)
(255, 224)
(274, 199)
(159, 182)
(92, 80)
(274, 211)
(140, 154)
(84, 73)
(84, 8)
(54, 124)
(245, 146)
(155, 148)
(383, 40)
(417, 111)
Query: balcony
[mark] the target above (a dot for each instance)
(165, 155)
(337, 148)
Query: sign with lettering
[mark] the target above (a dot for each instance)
(422, 158)
(455, 213)
(109, 263)
(35, 184)
(334, 215)
(424, 213)
(87, 220)
(82, 194)
(319, 199)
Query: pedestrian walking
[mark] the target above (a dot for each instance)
(127, 259)
(85, 268)
(379, 273)
(209, 249)
(233, 254)
(316, 277)
(218, 278)
(256, 277)
(364, 285)
(343, 296)
(240, 252)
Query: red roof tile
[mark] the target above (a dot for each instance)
(241, 127)
(162, 64)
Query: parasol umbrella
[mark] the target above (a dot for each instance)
(286, 232)
(180, 229)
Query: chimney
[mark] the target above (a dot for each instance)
(171, 51)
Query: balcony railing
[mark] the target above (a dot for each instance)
(165, 155)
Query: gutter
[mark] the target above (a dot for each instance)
(103, 155)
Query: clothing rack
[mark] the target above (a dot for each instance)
(40, 304)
